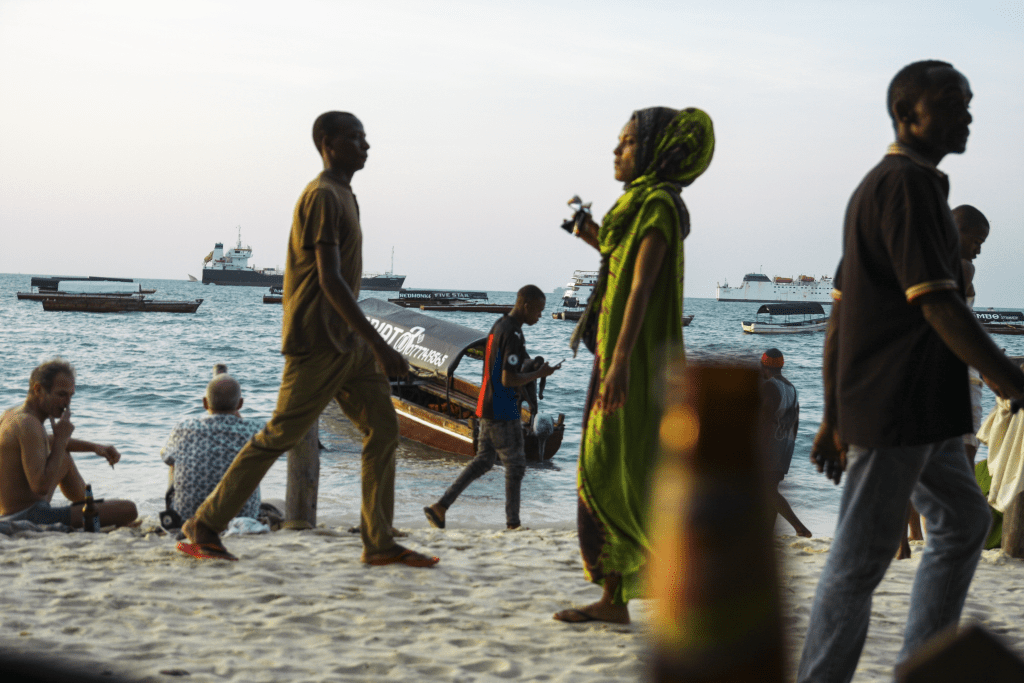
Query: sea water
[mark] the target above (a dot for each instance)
(140, 373)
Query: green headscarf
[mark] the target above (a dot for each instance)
(673, 148)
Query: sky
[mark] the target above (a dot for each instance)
(133, 136)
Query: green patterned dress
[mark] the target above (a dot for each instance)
(618, 450)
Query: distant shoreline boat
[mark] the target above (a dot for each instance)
(759, 288)
(232, 267)
(787, 318)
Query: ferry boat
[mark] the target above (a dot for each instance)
(759, 288)
(576, 294)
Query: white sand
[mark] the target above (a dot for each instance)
(299, 606)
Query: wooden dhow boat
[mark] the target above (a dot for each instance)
(434, 406)
(104, 303)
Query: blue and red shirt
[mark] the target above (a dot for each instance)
(506, 349)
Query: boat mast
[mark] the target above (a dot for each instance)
(392, 271)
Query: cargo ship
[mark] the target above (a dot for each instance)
(759, 288)
(232, 267)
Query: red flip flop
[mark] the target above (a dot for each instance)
(205, 551)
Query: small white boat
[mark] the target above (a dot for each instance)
(787, 318)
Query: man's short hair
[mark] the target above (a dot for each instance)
(530, 293)
(47, 372)
(223, 393)
(969, 218)
(910, 83)
(329, 124)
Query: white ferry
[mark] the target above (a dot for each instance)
(759, 288)
(577, 293)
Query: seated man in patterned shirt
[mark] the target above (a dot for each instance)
(200, 449)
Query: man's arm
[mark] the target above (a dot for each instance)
(511, 379)
(960, 330)
(104, 451)
(43, 470)
(828, 453)
(328, 265)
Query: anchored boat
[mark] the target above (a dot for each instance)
(1001, 322)
(759, 288)
(435, 407)
(787, 318)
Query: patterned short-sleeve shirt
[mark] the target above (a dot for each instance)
(201, 450)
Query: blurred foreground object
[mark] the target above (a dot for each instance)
(716, 615)
(970, 656)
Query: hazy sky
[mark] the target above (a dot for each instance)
(135, 135)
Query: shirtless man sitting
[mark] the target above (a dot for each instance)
(33, 464)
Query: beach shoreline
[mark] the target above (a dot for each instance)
(299, 606)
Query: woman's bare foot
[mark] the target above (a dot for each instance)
(599, 611)
(604, 609)
(802, 531)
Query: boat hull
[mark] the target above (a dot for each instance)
(455, 434)
(382, 283)
(783, 328)
(470, 308)
(241, 278)
(819, 291)
(114, 304)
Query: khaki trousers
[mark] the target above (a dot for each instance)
(308, 384)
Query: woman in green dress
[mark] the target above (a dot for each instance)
(638, 305)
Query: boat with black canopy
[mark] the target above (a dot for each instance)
(787, 318)
(434, 406)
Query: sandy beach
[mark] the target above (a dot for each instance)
(299, 606)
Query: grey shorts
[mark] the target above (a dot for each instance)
(41, 513)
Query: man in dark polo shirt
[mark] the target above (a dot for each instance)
(895, 376)
(501, 427)
(330, 352)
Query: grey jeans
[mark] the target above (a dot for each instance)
(872, 517)
(497, 438)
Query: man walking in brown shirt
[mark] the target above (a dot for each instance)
(331, 352)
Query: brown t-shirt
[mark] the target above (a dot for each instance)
(326, 213)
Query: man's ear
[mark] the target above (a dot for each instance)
(240, 402)
(206, 404)
(904, 112)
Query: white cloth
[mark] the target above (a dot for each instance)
(1004, 435)
(240, 526)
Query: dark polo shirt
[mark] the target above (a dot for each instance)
(506, 350)
(898, 384)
